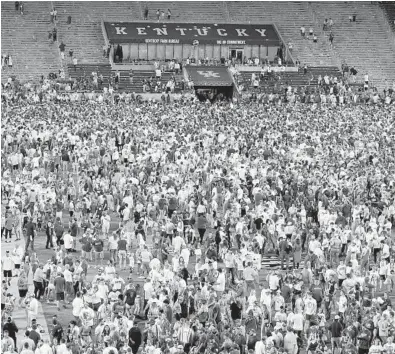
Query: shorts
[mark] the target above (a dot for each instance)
(122, 254)
(15, 167)
(95, 307)
(308, 317)
(22, 293)
(69, 287)
(17, 266)
(336, 341)
(382, 276)
(60, 296)
(100, 253)
(7, 273)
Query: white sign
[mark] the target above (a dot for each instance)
(208, 74)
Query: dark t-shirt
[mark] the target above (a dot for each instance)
(98, 245)
(122, 245)
(86, 244)
(34, 336)
(60, 284)
(235, 311)
(30, 228)
(258, 223)
(130, 296)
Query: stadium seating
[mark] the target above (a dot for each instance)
(289, 17)
(25, 38)
(86, 70)
(389, 9)
(187, 11)
(364, 44)
(84, 34)
(296, 78)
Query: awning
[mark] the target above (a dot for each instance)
(192, 33)
(209, 76)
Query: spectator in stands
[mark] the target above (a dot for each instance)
(21, 7)
(366, 78)
(16, 5)
(325, 25)
(162, 13)
(353, 73)
(158, 14)
(9, 61)
(146, 12)
(168, 14)
(315, 38)
(62, 48)
(345, 70)
(331, 38)
(75, 62)
(158, 73)
(330, 24)
(52, 14)
(71, 52)
(311, 32)
(303, 31)
(54, 34)
(177, 67)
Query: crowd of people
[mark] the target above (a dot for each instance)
(157, 217)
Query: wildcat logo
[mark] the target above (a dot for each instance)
(208, 74)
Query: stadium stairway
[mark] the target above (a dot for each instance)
(389, 10)
(84, 33)
(288, 17)
(25, 38)
(365, 44)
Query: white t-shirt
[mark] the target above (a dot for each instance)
(148, 290)
(68, 241)
(220, 283)
(78, 305)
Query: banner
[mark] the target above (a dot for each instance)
(193, 34)
(209, 75)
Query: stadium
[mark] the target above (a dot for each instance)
(197, 177)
